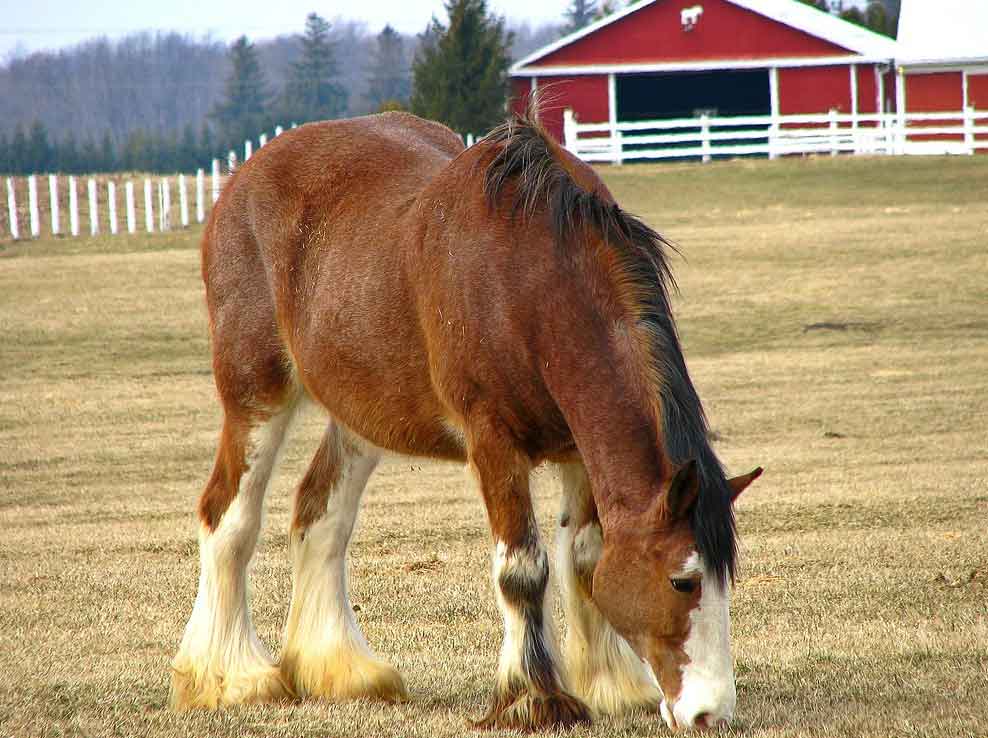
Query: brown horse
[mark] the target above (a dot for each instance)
(491, 305)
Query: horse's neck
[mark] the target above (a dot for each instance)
(612, 419)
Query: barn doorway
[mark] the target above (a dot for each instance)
(690, 94)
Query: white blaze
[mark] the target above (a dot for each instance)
(708, 678)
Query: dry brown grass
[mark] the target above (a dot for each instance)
(861, 606)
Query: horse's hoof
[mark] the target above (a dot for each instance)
(535, 712)
(208, 690)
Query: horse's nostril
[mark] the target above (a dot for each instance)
(702, 720)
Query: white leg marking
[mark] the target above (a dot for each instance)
(221, 660)
(530, 566)
(324, 653)
(601, 666)
(708, 678)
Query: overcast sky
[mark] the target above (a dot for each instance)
(42, 24)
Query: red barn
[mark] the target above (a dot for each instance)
(942, 63)
(682, 58)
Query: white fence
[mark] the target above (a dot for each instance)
(963, 132)
(101, 200)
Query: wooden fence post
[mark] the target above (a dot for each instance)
(111, 200)
(278, 130)
(165, 187)
(833, 132)
(262, 139)
(73, 207)
(248, 149)
(53, 203)
(32, 203)
(569, 130)
(131, 209)
(15, 232)
(183, 201)
(969, 129)
(148, 207)
(216, 180)
(705, 137)
(93, 209)
(231, 162)
(200, 195)
(469, 140)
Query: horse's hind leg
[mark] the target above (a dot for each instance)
(529, 693)
(221, 660)
(601, 666)
(324, 653)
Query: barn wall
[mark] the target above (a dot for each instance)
(586, 95)
(655, 34)
(977, 89)
(807, 90)
(521, 88)
(867, 89)
(934, 93)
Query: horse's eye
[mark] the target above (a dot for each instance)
(684, 585)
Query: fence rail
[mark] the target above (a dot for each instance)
(706, 137)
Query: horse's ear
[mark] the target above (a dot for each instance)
(683, 491)
(739, 484)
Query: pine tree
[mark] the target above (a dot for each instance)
(243, 112)
(461, 72)
(107, 155)
(207, 146)
(579, 14)
(19, 163)
(390, 80)
(39, 155)
(187, 156)
(68, 155)
(312, 92)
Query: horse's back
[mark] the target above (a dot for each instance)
(304, 259)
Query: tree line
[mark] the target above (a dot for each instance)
(168, 103)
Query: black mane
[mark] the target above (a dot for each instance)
(525, 158)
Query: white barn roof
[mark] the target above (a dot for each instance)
(943, 31)
(792, 13)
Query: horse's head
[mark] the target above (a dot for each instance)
(654, 587)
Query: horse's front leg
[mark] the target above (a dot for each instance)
(602, 668)
(529, 693)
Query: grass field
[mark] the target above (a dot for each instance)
(835, 319)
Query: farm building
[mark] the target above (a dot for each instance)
(942, 60)
(662, 59)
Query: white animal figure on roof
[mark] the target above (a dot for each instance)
(689, 17)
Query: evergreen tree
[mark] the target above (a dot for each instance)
(243, 113)
(68, 155)
(89, 157)
(312, 92)
(18, 152)
(461, 72)
(40, 155)
(390, 81)
(187, 156)
(5, 160)
(107, 155)
(608, 7)
(207, 146)
(579, 14)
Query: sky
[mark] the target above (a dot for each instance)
(46, 24)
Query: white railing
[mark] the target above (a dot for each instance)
(963, 132)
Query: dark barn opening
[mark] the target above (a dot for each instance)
(642, 97)
(689, 94)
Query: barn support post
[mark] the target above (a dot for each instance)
(32, 203)
(773, 128)
(131, 209)
(53, 203)
(215, 175)
(901, 134)
(111, 200)
(569, 130)
(73, 207)
(617, 152)
(705, 137)
(854, 107)
(148, 207)
(15, 231)
(183, 201)
(93, 208)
